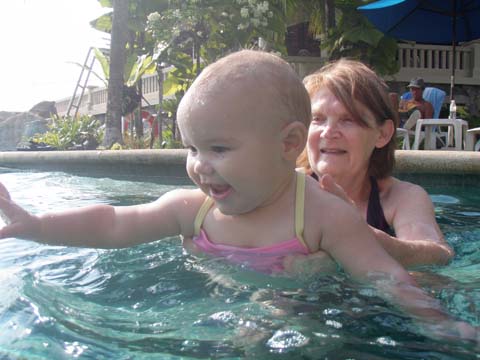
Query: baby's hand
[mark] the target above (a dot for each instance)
(4, 193)
(452, 331)
(18, 222)
(319, 262)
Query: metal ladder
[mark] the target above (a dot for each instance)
(81, 83)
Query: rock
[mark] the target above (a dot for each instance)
(19, 128)
(44, 109)
(4, 115)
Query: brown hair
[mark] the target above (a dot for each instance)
(350, 80)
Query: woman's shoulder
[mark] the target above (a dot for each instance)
(393, 190)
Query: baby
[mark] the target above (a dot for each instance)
(244, 122)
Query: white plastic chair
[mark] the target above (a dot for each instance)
(470, 142)
(436, 97)
(403, 133)
(408, 129)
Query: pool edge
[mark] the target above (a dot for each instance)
(172, 162)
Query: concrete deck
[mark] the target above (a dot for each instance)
(171, 163)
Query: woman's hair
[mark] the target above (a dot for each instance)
(350, 80)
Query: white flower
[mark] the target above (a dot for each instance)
(244, 12)
(262, 7)
(154, 17)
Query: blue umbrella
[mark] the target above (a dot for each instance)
(427, 21)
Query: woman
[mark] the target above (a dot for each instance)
(351, 146)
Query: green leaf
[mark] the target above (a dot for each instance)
(103, 23)
(367, 35)
(104, 63)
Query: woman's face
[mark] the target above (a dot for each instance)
(337, 144)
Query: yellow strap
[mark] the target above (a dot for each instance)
(202, 212)
(300, 207)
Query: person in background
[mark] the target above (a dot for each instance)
(350, 149)
(416, 102)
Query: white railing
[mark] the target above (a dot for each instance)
(432, 62)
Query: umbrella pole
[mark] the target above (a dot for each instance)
(452, 77)
(454, 44)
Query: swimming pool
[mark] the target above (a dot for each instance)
(156, 301)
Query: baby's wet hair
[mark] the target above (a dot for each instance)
(268, 76)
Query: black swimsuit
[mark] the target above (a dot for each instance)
(375, 215)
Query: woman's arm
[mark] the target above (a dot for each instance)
(414, 252)
(418, 240)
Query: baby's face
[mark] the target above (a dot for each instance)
(234, 149)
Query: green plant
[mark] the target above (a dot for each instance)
(117, 146)
(464, 113)
(169, 141)
(474, 121)
(68, 133)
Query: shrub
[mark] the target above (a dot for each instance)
(66, 133)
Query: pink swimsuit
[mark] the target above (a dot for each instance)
(267, 259)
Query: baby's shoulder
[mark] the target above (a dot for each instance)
(325, 213)
(324, 207)
(183, 204)
(183, 199)
(317, 198)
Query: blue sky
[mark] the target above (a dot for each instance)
(39, 40)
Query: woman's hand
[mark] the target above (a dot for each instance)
(318, 262)
(328, 184)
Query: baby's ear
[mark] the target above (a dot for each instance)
(294, 138)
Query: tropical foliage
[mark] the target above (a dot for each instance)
(190, 34)
(183, 36)
(345, 32)
(67, 133)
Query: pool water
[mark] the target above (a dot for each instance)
(156, 301)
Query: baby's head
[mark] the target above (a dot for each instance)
(250, 103)
(263, 83)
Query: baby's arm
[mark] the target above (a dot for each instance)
(104, 226)
(351, 242)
